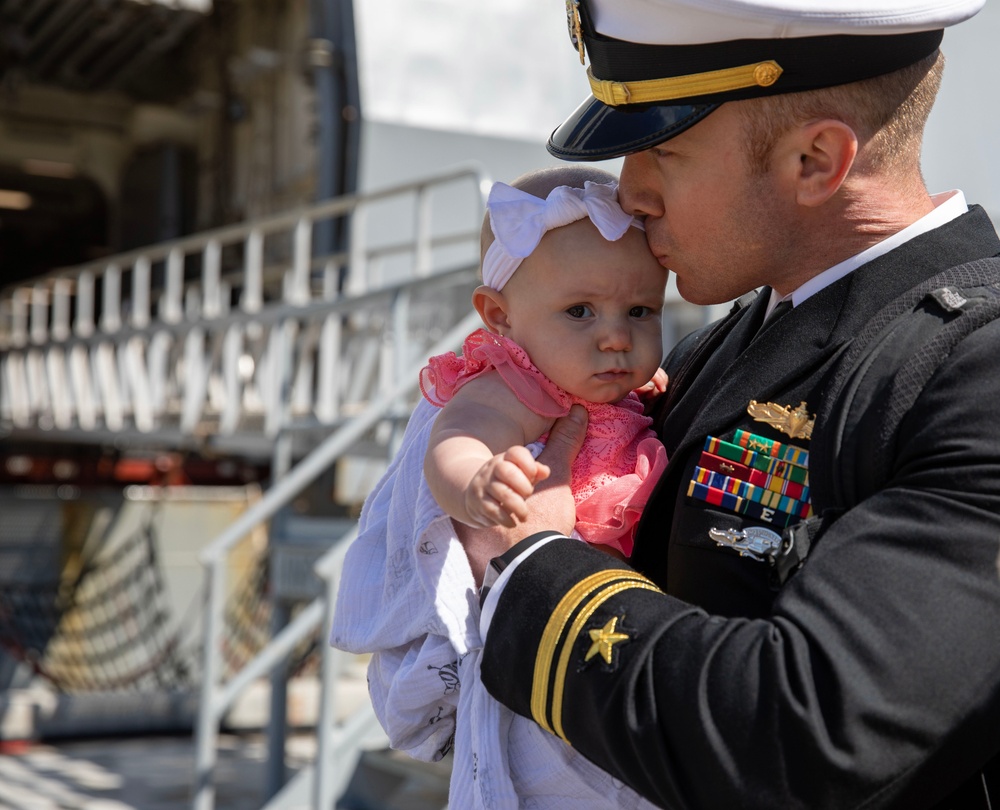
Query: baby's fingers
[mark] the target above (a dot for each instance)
(659, 381)
(510, 507)
(509, 489)
(533, 470)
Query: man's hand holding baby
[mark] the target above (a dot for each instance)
(549, 507)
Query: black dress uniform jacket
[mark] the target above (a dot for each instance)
(871, 678)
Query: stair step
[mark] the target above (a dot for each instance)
(390, 780)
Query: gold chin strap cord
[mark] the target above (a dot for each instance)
(648, 91)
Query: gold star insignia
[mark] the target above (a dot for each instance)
(604, 639)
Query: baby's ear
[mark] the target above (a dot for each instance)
(492, 308)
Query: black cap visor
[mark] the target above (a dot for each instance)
(596, 131)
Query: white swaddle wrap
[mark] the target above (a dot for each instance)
(407, 595)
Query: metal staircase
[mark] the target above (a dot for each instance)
(230, 337)
(241, 341)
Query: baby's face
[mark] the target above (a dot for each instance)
(587, 311)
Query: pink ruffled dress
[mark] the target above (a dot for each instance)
(621, 459)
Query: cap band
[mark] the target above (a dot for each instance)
(519, 221)
(760, 74)
(728, 71)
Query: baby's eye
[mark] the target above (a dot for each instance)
(579, 311)
(640, 312)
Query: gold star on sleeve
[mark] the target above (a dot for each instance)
(604, 639)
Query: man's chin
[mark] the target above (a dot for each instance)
(696, 294)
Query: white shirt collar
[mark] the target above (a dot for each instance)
(948, 205)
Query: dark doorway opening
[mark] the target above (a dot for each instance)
(48, 222)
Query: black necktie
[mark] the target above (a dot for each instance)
(779, 310)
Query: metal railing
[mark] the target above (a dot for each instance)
(242, 339)
(229, 336)
(218, 697)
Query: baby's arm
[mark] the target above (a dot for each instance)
(477, 466)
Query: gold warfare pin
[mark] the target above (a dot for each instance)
(795, 422)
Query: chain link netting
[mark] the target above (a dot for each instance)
(112, 626)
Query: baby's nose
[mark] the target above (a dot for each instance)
(616, 337)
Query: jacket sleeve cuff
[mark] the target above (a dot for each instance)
(500, 569)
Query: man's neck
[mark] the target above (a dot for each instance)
(857, 219)
(945, 207)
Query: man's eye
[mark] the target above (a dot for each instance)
(579, 311)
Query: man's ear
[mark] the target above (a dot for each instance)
(826, 153)
(492, 308)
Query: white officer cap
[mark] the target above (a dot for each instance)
(658, 67)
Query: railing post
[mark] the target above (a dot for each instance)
(422, 236)
(16, 387)
(211, 276)
(39, 319)
(40, 395)
(111, 320)
(328, 353)
(209, 713)
(252, 298)
(301, 262)
(84, 326)
(141, 274)
(323, 783)
(232, 352)
(61, 290)
(57, 357)
(135, 360)
(172, 303)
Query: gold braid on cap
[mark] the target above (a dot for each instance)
(647, 91)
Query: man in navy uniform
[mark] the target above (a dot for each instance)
(774, 144)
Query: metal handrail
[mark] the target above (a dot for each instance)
(217, 697)
(93, 349)
(230, 234)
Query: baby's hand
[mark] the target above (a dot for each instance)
(654, 387)
(496, 495)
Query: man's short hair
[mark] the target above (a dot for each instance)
(887, 113)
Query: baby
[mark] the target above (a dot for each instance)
(578, 322)
(571, 303)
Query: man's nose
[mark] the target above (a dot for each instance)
(636, 193)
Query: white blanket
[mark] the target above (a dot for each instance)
(407, 595)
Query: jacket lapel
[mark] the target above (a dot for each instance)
(716, 357)
(771, 362)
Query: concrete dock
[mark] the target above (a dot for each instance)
(157, 773)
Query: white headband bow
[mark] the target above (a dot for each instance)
(519, 221)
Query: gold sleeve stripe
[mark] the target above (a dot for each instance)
(574, 633)
(647, 91)
(554, 629)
